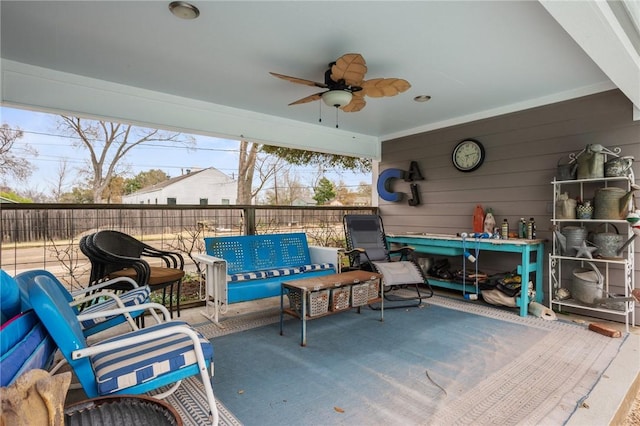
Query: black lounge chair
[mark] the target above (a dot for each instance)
(367, 249)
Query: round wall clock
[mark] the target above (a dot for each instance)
(468, 155)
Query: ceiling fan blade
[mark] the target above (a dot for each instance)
(310, 98)
(379, 87)
(351, 68)
(356, 104)
(299, 80)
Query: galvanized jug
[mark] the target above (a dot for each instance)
(574, 236)
(611, 203)
(591, 162)
(587, 285)
(566, 171)
(618, 167)
(608, 243)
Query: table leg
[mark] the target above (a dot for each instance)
(303, 341)
(382, 300)
(281, 307)
(539, 263)
(525, 273)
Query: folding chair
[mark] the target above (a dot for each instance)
(367, 249)
(104, 301)
(132, 363)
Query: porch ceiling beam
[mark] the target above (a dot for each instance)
(609, 32)
(30, 87)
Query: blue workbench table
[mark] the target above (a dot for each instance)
(451, 245)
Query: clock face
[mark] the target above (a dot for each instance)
(468, 155)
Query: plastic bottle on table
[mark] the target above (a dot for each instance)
(504, 230)
(531, 229)
(522, 228)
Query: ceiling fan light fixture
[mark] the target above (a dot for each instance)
(337, 98)
(184, 10)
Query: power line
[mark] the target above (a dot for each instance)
(146, 145)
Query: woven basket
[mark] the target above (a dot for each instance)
(317, 303)
(374, 288)
(359, 294)
(340, 298)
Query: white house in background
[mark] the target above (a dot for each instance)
(202, 187)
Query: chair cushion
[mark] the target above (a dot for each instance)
(128, 366)
(133, 297)
(317, 267)
(25, 345)
(159, 275)
(398, 273)
(280, 272)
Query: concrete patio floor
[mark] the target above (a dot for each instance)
(609, 403)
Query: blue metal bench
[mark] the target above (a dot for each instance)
(256, 265)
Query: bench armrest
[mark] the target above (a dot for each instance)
(326, 255)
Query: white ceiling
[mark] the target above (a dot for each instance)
(474, 58)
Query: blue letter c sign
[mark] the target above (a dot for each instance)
(384, 184)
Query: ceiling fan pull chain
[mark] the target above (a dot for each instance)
(336, 117)
(320, 112)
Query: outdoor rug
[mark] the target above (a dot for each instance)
(450, 362)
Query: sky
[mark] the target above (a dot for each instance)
(40, 132)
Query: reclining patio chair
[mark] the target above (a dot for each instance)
(137, 362)
(115, 254)
(367, 249)
(104, 301)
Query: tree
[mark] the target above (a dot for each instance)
(61, 182)
(301, 157)
(249, 157)
(344, 194)
(144, 179)
(364, 189)
(113, 192)
(14, 163)
(77, 195)
(246, 170)
(324, 191)
(108, 143)
(286, 188)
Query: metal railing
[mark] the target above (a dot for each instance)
(47, 235)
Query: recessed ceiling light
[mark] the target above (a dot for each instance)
(184, 10)
(422, 98)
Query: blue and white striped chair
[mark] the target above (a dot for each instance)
(136, 362)
(98, 301)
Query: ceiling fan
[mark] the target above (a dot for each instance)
(346, 85)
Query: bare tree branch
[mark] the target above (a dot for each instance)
(109, 143)
(12, 161)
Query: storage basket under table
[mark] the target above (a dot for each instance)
(374, 288)
(317, 302)
(363, 293)
(359, 294)
(340, 298)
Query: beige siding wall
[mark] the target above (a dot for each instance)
(522, 151)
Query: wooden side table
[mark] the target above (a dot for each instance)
(311, 298)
